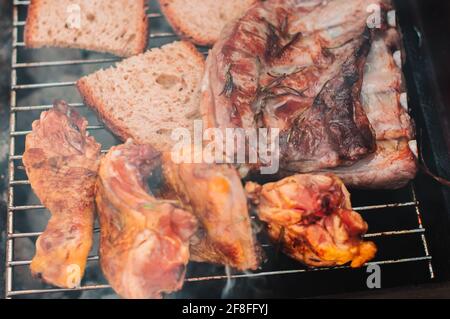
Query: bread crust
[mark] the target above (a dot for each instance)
(98, 105)
(180, 26)
(139, 44)
(31, 23)
(144, 28)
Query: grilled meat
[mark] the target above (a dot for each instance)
(61, 162)
(215, 195)
(144, 243)
(334, 130)
(392, 166)
(394, 163)
(382, 84)
(297, 66)
(311, 217)
(327, 79)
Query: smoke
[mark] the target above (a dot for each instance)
(229, 284)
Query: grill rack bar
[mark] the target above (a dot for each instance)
(358, 209)
(370, 235)
(96, 257)
(12, 209)
(224, 277)
(12, 123)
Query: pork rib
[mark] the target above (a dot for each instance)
(297, 66)
(326, 78)
(61, 162)
(144, 243)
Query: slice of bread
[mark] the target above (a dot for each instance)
(201, 21)
(119, 27)
(145, 97)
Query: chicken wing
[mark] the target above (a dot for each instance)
(62, 162)
(144, 243)
(311, 216)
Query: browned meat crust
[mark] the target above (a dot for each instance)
(61, 163)
(335, 128)
(282, 66)
(215, 195)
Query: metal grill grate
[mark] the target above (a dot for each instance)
(408, 206)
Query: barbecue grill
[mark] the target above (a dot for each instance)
(406, 225)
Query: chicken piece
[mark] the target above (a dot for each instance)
(144, 243)
(216, 196)
(311, 217)
(61, 162)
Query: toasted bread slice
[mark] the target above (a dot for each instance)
(201, 21)
(119, 27)
(145, 97)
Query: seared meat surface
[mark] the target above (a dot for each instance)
(215, 195)
(394, 163)
(61, 162)
(335, 129)
(326, 78)
(392, 166)
(311, 217)
(144, 243)
(286, 65)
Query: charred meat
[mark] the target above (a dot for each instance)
(144, 243)
(312, 218)
(61, 162)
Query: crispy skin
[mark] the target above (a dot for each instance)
(311, 216)
(297, 66)
(144, 243)
(215, 195)
(61, 163)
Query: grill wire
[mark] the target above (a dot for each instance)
(409, 206)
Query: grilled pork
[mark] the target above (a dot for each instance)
(61, 162)
(322, 72)
(144, 243)
(297, 66)
(394, 163)
(215, 195)
(311, 217)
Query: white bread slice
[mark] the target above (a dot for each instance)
(145, 97)
(201, 21)
(119, 27)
